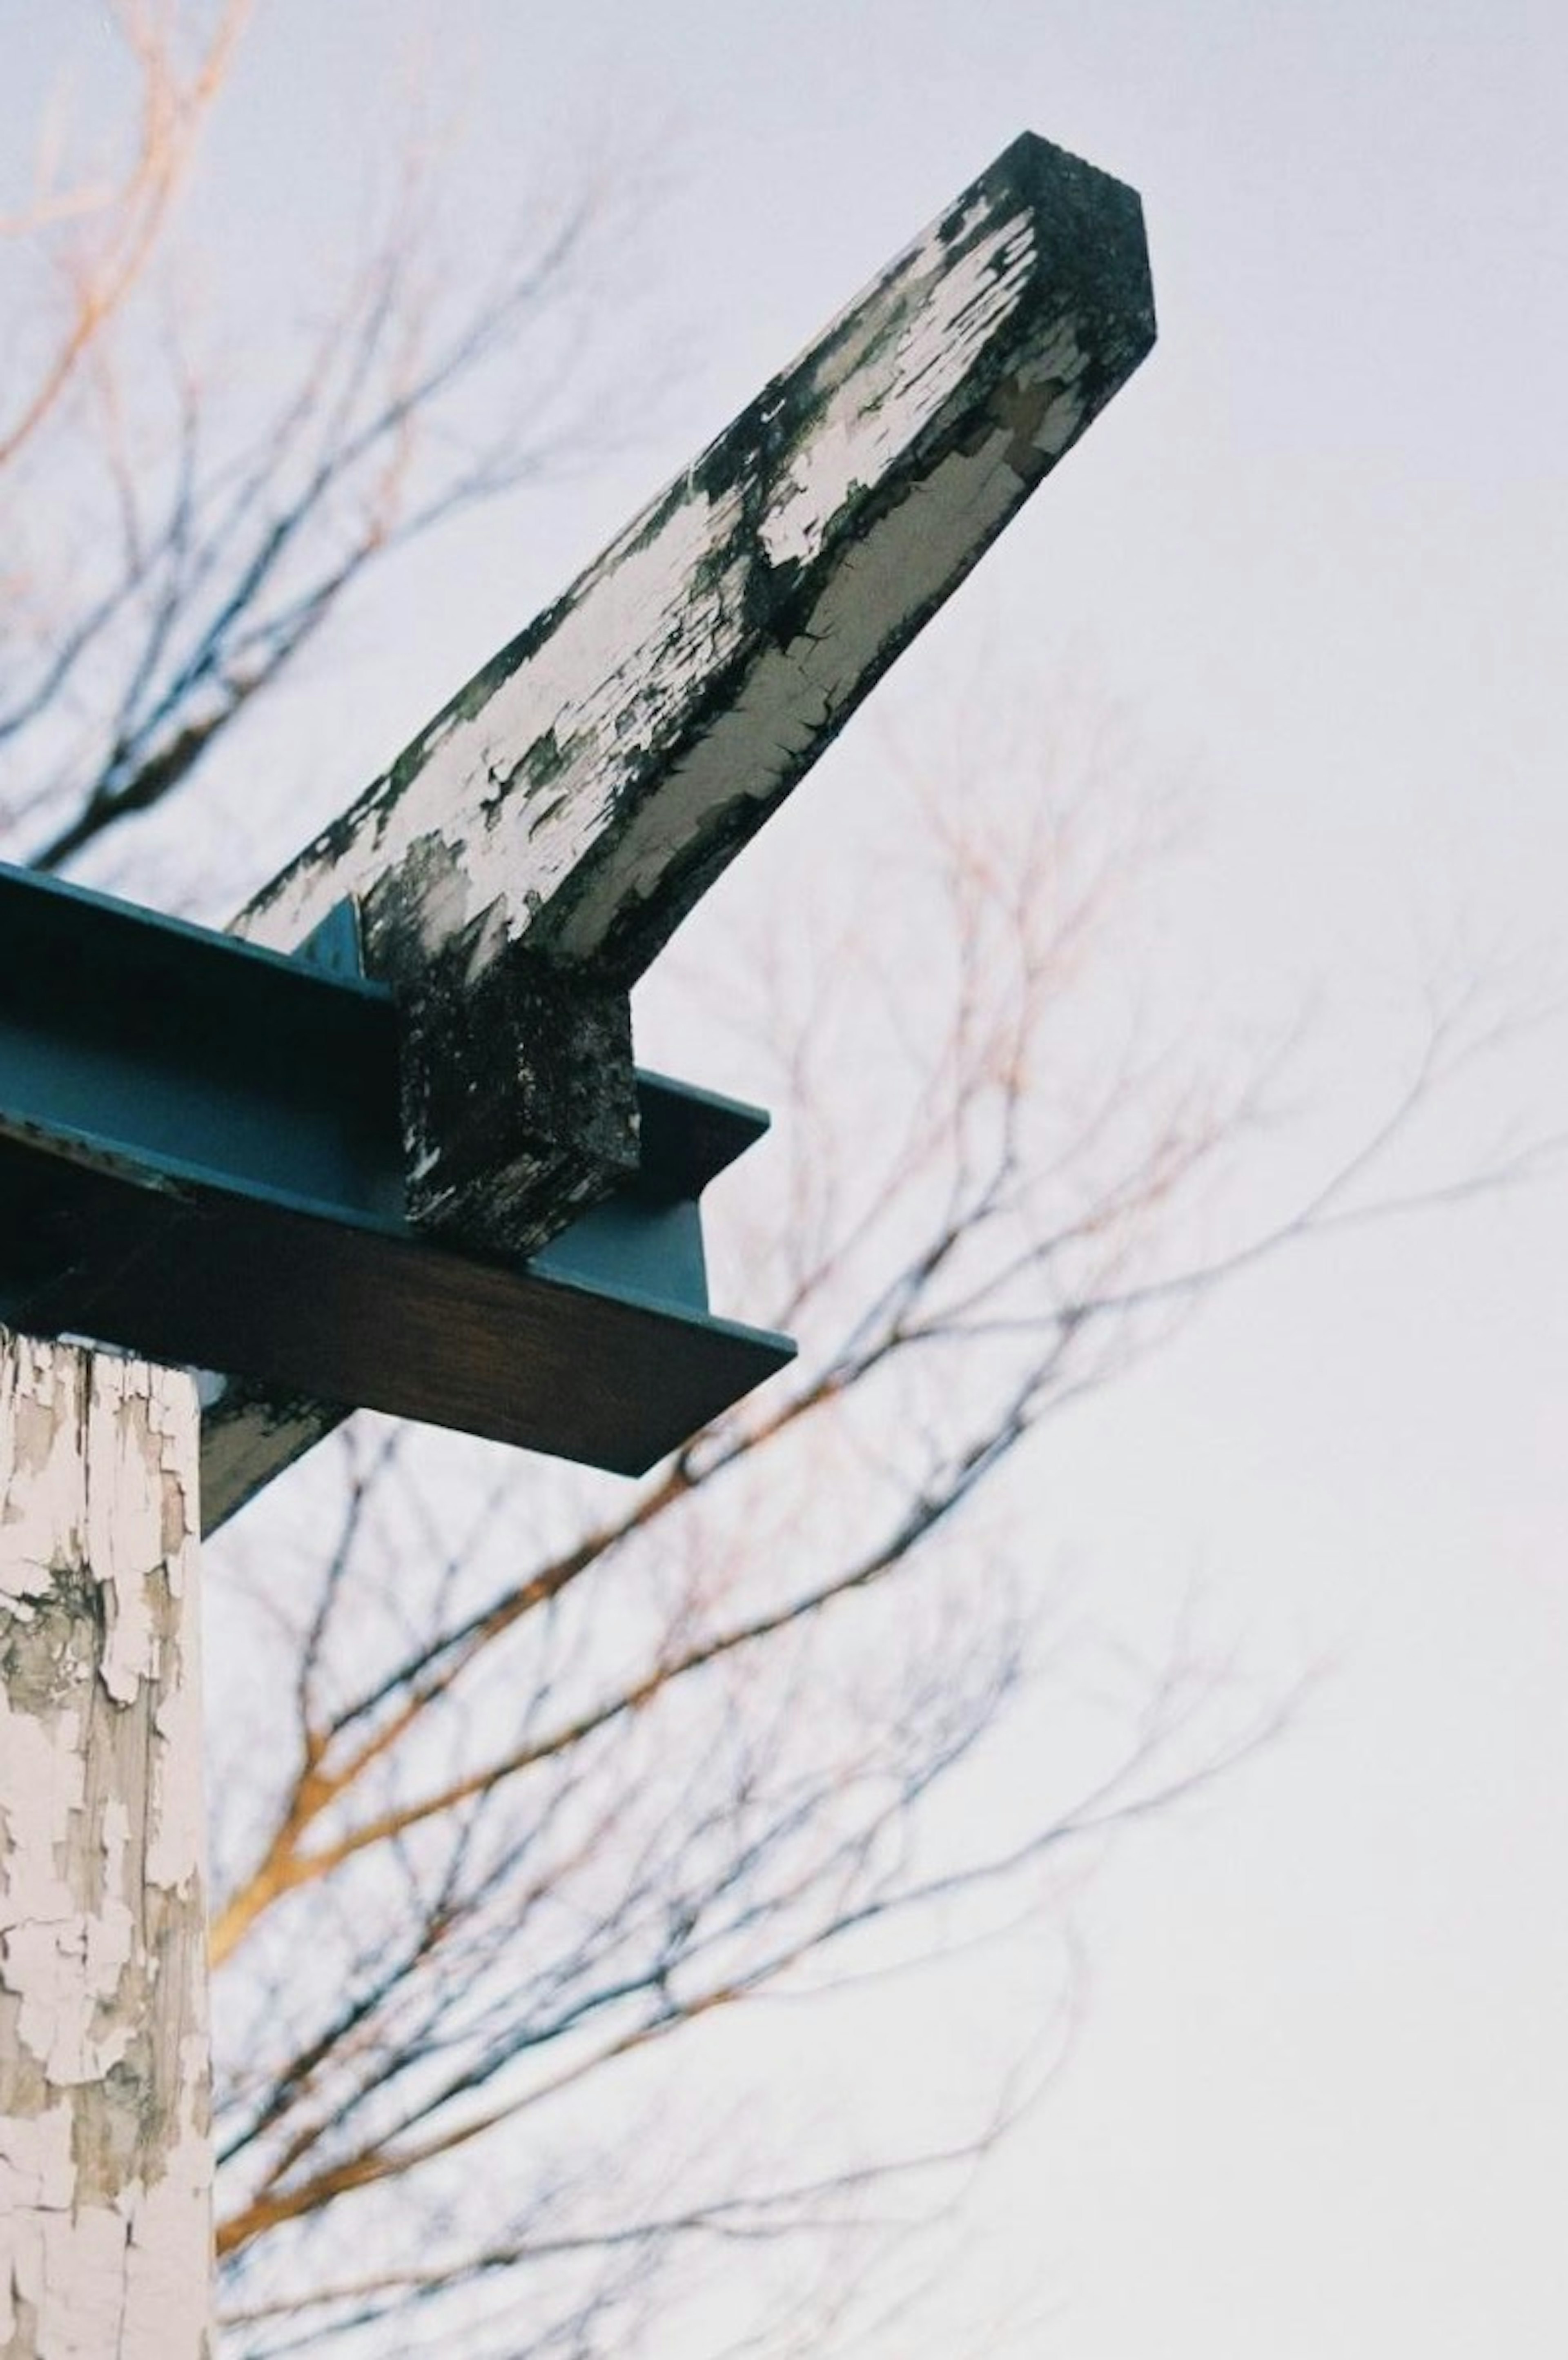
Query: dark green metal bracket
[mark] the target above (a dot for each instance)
(200, 1161)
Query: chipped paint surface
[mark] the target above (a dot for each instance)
(578, 796)
(793, 693)
(104, 2161)
(547, 832)
(950, 297)
(918, 423)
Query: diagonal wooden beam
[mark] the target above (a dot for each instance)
(581, 791)
(525, 857)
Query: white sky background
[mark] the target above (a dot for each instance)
(1318, 548)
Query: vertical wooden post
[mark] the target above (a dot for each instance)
(106, 2207)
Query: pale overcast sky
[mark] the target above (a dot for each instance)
(1318, 2108)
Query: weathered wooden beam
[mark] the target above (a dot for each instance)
(105, 2213)
(526, 854)
(524, 859)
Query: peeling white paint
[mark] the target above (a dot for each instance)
(105, 2236)
(35, 2162)
(794, 694)
(590, 783)
(635, 639)
(567, 749)
(874, 405)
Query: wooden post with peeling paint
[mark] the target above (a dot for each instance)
(106, 2207)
